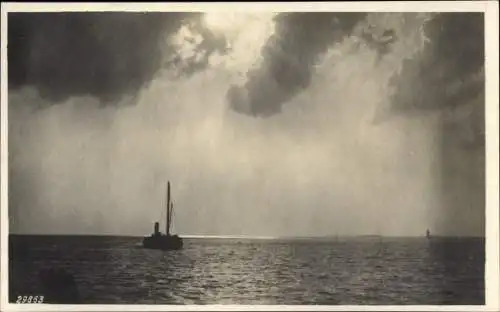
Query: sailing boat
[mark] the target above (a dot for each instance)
(158, 240)
(428, 234)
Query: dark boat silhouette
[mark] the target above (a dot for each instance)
(428, 234)
(158, 240)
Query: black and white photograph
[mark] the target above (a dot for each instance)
(248, 156)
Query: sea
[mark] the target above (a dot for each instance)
(295, 271)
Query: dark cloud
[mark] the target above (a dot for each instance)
(288, 59)
(449, 70)
(106, 55)
(448, 77)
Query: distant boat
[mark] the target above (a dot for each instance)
(428, 234)
(158, 240)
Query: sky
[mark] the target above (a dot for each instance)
(266, 124)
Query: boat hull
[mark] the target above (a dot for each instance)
(163, 242)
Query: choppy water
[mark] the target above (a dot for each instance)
(347, 271)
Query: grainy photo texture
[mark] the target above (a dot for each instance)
(299, 158)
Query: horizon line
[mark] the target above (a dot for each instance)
(199, 236)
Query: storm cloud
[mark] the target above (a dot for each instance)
(292, 53)
(449, 71)
(101, 54)
(289, 58)
(447, 79)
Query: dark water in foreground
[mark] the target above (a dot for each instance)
(349, 271)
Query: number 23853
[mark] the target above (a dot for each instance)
(29, 299)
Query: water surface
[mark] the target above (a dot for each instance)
(346, 271)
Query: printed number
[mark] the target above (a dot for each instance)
(29, 299)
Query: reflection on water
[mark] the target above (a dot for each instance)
(222, 271)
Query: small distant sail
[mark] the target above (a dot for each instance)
(428, 234)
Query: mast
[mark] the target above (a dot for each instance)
(168, 209)
(171, 214)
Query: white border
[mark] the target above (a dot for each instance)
(490, 8)
(492, 272)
